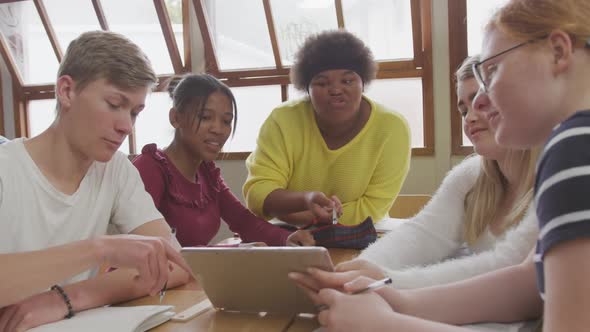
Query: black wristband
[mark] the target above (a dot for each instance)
(63, 294)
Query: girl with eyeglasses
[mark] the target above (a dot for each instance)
(536, 93)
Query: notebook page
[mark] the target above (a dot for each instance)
(112, 319)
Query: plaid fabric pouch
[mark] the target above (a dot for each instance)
(342, 236)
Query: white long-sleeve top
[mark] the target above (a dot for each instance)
(414, 253)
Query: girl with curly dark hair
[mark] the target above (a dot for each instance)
(334, 149)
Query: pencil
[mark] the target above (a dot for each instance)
(374, 285)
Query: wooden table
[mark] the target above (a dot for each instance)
(219, 321)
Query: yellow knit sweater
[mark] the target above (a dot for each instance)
(366, 174)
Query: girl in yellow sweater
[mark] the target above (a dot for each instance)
(336, 149)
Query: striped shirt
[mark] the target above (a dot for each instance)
(562, 188)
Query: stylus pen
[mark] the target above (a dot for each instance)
(372, 286)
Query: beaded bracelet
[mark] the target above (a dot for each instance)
(63, 294)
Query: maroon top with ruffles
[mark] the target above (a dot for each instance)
(196, 209)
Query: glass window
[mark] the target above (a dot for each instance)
(237, 47)
(295, 94)
(384, 25)
(478, 14)
(174, 8)
(254, 105)
(152, 124)
(295, 20)
(142, 27)
(70, 19)
(28, 42)
(41, 114)
(403, 95)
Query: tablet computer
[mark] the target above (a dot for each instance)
(254, 279)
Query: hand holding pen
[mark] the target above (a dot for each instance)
(372, 286)
(322, 207)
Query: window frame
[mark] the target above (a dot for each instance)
(2, 131)
(457, 11)
(418, 67)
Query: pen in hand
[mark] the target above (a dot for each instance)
(372, 286)
(163, 291)
(334, 217)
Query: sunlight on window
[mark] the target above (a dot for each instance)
(478, 14)
(28, 42)
(403, 95)
(254, 105)
(237, 47)
(384, 25)
(152, 124)
(143, 28)
(70, 19)
(296, 20)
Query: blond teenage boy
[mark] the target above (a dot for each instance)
(69, 183)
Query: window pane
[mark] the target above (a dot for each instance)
(28, 42)
(175, 12)
(41, 114)
(401, 95)
(142, 27)
(70, 19)
(404, 96)
(242, 43)
(478, 14)
(254, 105)
(152, 125)
(384, 25)
(294, 94)
(295, 20)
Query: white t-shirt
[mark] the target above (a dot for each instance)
(35, 215)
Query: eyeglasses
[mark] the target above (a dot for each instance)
(482, 74)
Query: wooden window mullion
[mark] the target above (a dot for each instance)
(457, 52)
(168, 32)
(102, 20)
(272, 33)
(339, 13)
(210, 58)
(416, 12)
(49, 29)
(187, 36)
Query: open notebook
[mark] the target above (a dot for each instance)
(112, 319)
